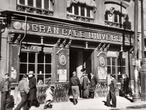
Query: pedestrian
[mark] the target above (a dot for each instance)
(125, 84)
(23, 87)
(75, 83)
(5, 91)
(49, 97)
(111, 96)
(92, 86)
(32, 95)
(85, 84)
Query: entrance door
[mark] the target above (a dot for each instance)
(39, 63)
(80, 58)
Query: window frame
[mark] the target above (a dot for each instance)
(80, 6)
(111, 65)
(36, 64)
(50, 4)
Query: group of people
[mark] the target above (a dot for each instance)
(5, 96)
(28, 92)
(27, 89)
(83, 87)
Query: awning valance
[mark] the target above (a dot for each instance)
(90, 3)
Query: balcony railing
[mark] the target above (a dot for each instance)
(79, 18)
(113, 24)
(30, 9)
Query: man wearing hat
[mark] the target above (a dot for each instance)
(32, 95)
(112, 92)
(85, 84)
(5, 91)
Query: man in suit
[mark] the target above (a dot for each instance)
(112, 92)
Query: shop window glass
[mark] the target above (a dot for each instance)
(40, 64)
(114, 67)
(47, 68)
(108, 69)
(23, 68)
(113, 61)
(48, 58)
(40, 69)
(31, 67)
(40, 58)
(23, 57)
(108, 61)
(31, 57)
(113, 70)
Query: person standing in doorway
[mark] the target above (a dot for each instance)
(23, 87)
(5, 91)
(112, 92)
(85, 84)
(75, 83)
(93, 82)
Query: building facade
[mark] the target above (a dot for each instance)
(53, 38)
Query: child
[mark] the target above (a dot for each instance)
(49, 97)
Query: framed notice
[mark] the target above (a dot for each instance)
(62, 73)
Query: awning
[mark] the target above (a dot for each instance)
(90, 3)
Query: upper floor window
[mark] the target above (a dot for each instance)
(116, 14)
(36, 6)
(81, 10)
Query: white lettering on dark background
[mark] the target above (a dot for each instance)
(67, 31)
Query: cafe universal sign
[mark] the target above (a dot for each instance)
(71, 32)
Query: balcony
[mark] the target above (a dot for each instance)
(113, 24)
(30, 9)
(80, 18)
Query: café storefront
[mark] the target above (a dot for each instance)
(54, 48)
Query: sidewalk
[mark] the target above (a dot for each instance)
(95, 104)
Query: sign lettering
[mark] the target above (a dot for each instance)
(104, 35)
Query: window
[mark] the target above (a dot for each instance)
(36, 6)
(22, 2)
(116, 66)
(39, 3)
(81, 10)
(30, 2)
(39, 63)
(115, 13)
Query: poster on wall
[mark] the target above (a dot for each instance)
(102, 66)
(102, 73)
(62, 75)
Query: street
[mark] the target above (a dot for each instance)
(96, 104)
